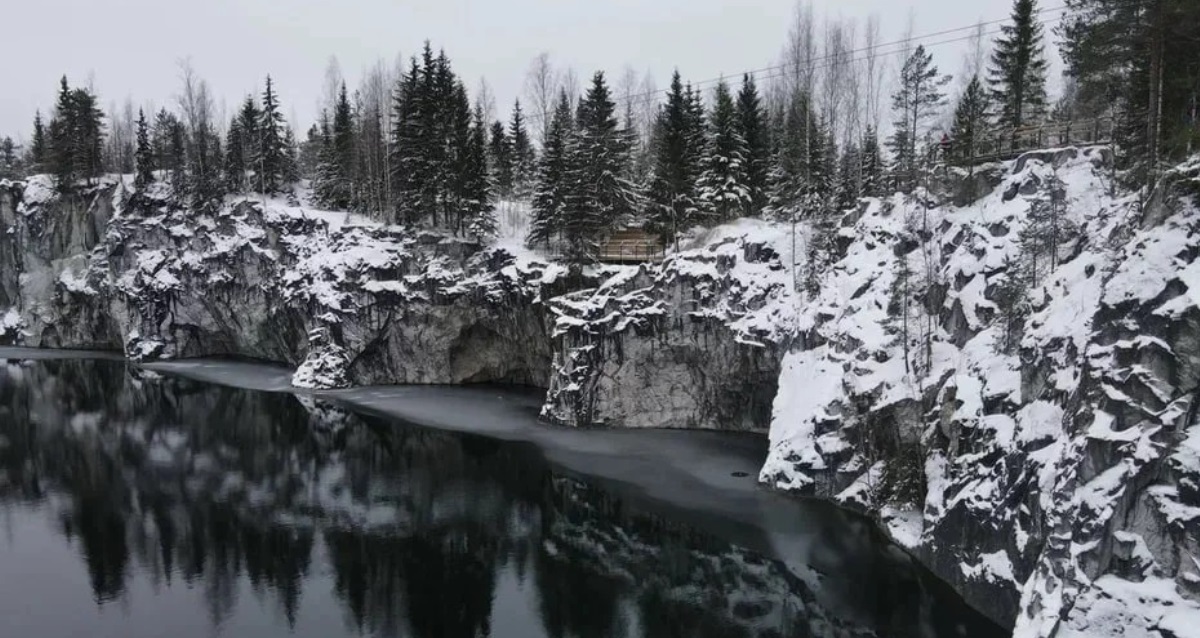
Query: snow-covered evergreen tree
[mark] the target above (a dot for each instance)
(872, 163)
(523, 157)
(144, 153)
(500, 160)
(477, 199)
(338, 172)
(674, 197)
(1018, 68)
(599, 196)
(971, 117)
(11, 165)
(789, 176)
(723, 185)
(271, 159)
(753, 130)
(553, 175)
(38, 147)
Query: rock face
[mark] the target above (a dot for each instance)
(347, 302)
(693, 342)
(1038, 450)
(352, 302)
(1003, 369)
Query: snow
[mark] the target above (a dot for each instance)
(993, 567)
(1001, 421)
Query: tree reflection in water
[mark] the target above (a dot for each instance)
(413, 531)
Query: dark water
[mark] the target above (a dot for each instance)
(139, 504)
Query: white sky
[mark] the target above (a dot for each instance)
(131, 47)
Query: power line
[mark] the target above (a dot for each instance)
(780, 70)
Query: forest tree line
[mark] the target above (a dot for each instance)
(797, 141)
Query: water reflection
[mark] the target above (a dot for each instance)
(266, 514)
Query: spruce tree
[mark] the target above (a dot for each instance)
(38, 149)
(236, 149)
(249, 122)
(63, 130)
(325, 173)
(849, 182)
(1135, 61)
(271, 160)
(674, 197)
(500, 160)
(340, 171)
(970, 122)
(523, 161)
(789, 177)
(144, 153)
(10, 159)
(872, 164)
(550, 195)
(291, 156)
(1018, 68)
(409, 166)
(917, 99)
(723, 184)
(88, 133)
(599, 195)
(477, 204)
(753, 129)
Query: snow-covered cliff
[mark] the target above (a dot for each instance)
(1026, 429)
(1035, 439)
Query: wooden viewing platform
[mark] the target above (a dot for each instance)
(630, 246)
(1010, 143)
(624, 246)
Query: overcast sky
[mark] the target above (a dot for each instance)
(131, 47)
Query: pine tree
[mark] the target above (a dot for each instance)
(144, 155)
(723, 184)
(500, 160)
(674, 197)
(599, 196)
(550, 195)
(917, 99)
(38, 149)
(1018, 68)
(523, 160)
(753, 129)
(271, 160)
(970, 121)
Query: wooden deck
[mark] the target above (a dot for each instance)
(624, 246)
(630, 246)
(1011, 143)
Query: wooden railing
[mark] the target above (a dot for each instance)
(618, 251)
(1007, 144)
